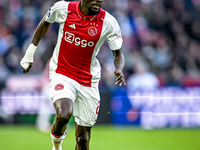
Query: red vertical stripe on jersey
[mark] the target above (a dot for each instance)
(80, 37)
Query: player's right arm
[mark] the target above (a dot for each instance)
(57, 13)
(40, 31)
(27, 60)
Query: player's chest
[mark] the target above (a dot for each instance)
(77, 30)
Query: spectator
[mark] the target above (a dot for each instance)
(142, 79)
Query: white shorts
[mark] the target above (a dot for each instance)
(86, 100)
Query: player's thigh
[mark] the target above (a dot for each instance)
(64, 108)
(86, 106)
(62, 87)
(82, 133)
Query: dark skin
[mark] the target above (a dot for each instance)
(64, 106)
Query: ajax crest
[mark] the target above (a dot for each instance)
(59, 87)
(92, 31)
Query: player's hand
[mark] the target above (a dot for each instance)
(120, 78)
(26, 63)
(28, 66)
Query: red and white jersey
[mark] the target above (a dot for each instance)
(79, 41)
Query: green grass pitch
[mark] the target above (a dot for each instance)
(103, 138)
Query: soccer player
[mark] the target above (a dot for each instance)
(74, 69)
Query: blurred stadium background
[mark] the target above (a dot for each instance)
(159, 109)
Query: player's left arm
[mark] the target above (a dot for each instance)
(119, 63)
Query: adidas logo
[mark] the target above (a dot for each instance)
(72, 26)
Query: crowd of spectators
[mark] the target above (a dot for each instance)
(163, 35)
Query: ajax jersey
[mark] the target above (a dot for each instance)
(79, 41)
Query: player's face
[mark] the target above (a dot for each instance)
(93, 6)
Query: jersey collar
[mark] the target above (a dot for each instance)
(91, 17)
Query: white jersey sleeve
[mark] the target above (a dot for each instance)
(114, 34)
(57, 13)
